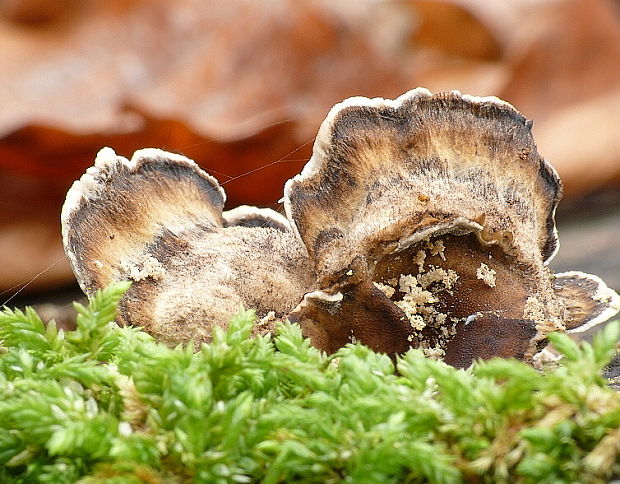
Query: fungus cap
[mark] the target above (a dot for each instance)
(157, 220)
(444, 204)
(426, 221)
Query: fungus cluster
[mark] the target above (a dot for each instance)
(426, 221)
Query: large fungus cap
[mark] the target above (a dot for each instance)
(431, 219)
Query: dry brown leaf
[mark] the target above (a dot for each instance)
(242, 86)
(570, 54)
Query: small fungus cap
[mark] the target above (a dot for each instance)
(157, 221)
(119, 206)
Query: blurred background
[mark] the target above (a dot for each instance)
(241, 87)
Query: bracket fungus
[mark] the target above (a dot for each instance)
(426, 221)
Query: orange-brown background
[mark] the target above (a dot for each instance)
(243, 85)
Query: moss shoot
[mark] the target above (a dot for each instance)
(108, 404)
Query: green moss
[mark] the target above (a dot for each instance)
(109, 404)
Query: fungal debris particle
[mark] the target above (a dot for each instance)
(486, 274)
